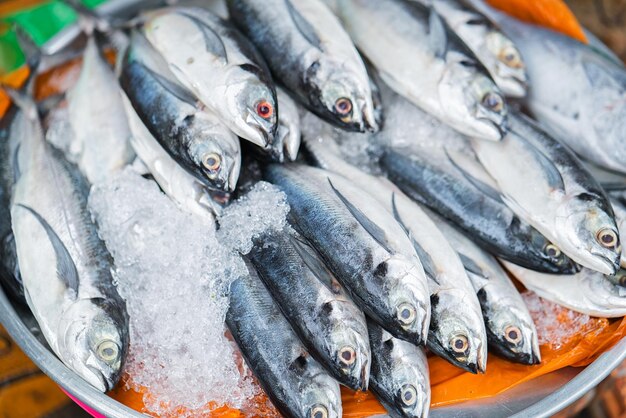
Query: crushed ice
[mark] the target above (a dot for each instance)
(174, 273)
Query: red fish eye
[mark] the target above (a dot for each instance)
(343, 106)
(264, 109)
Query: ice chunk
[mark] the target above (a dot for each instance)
(174, 273)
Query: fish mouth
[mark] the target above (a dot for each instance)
(258, 134)
(97, 379)
(474, 367)
(491, 130)
(605, 265)
(513, 87)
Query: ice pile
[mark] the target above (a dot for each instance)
(174, 273)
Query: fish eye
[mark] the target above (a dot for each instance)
(211, 161)
(621, 280)
(347, 355)
(343, 106)
(108, 351)
(607, 238)
(511, 57)
(459, 344)
(552, 251)
(406, 313)
(513, 334)
(408, 394)
(319, 411)
(264, 109)
(493, 101)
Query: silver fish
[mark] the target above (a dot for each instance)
(100, 144)
(587, 292)
(296, 384)
(510, 328)
(328, 323)
(457, 330)
(309, 51)
(287, 142)
(420, 58)
(65, 267)
(192, 135)
(214, 61)
(545, 184)
(358, 239)
(618, 203)
(399, 378)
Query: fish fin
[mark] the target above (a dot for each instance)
(480, 185)
(16, 163)
(212, 40)
(303, 26)
(374, 230)
(66, 269)
(437, 36)
(552, 174)
(176, 89)
(470, 265)
(312, 261)
(427, 261)
(29, 48)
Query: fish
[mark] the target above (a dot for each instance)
(65, 267)
(588, 291)
(437, 168)
(220, 66)
(618, 203)
(456, 316)
(546, 185)
(307, 48)
(428, 64)
(487, 41)
(329, 324)
(287, 142)
(576, 92)
(189, 193)
(510, 328)
(295, 383)
(193, 136)
(357, 238)
(101, 137)
(399, 376)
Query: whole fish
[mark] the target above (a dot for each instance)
(220, 66)
(186, 190)
(399, 376)
(100, 144)
(576, 92)
(435, 166)
(193, 136)
(492, 47)
(545, 184)
(296, 384)
(309, 51)
(65, 267)
(328, 323)
(419, 57)
(357, 239)
(510, 328)
(456, 319)
(287, 142)
(587, 292)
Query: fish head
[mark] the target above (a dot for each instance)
(412, 388)
(590, 234)
(254, 106)
(513, 335)
(94, 343)
(472, 102)
(457, 332)
(408, 294)
(317, 401)
(509, 71)
(549, 257)
(215, 152)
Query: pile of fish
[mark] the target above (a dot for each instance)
(380, 261)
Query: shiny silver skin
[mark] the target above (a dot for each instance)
(220, 66)
(307, 48)
(618, 203)
(510, 328)
(320, 311)
(358, 240)
(453, 300)
(295, 382)
(419, 57)
(545, 184)
(195, 137)
(399, 377)
(65, 267)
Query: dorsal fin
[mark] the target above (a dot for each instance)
(552, 174)
(480, 185)
(212, 41)
(437, 36)
(303, 26)
(313, 263)
(374, 230)
(471, 266)
(66, 269)
(176, 89)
